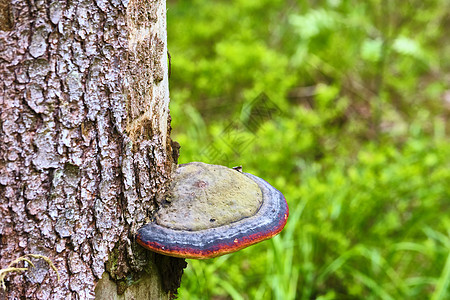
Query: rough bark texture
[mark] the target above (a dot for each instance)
(84, 142)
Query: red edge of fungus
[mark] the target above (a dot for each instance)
(218, 249)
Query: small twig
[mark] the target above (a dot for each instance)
(22, 258)
(11, 269)
(6, 271)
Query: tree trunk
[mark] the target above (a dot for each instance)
(85, 145)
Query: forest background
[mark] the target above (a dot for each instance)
(343, 106)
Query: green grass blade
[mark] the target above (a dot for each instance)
(441, 292)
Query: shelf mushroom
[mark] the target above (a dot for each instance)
(213, 210)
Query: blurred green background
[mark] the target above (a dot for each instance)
(343, 106)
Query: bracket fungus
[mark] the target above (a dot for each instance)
(212, 210)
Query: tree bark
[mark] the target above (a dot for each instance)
(85, 147)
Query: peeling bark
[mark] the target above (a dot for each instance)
(85, 145)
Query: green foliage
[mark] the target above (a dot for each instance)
(341, 106)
